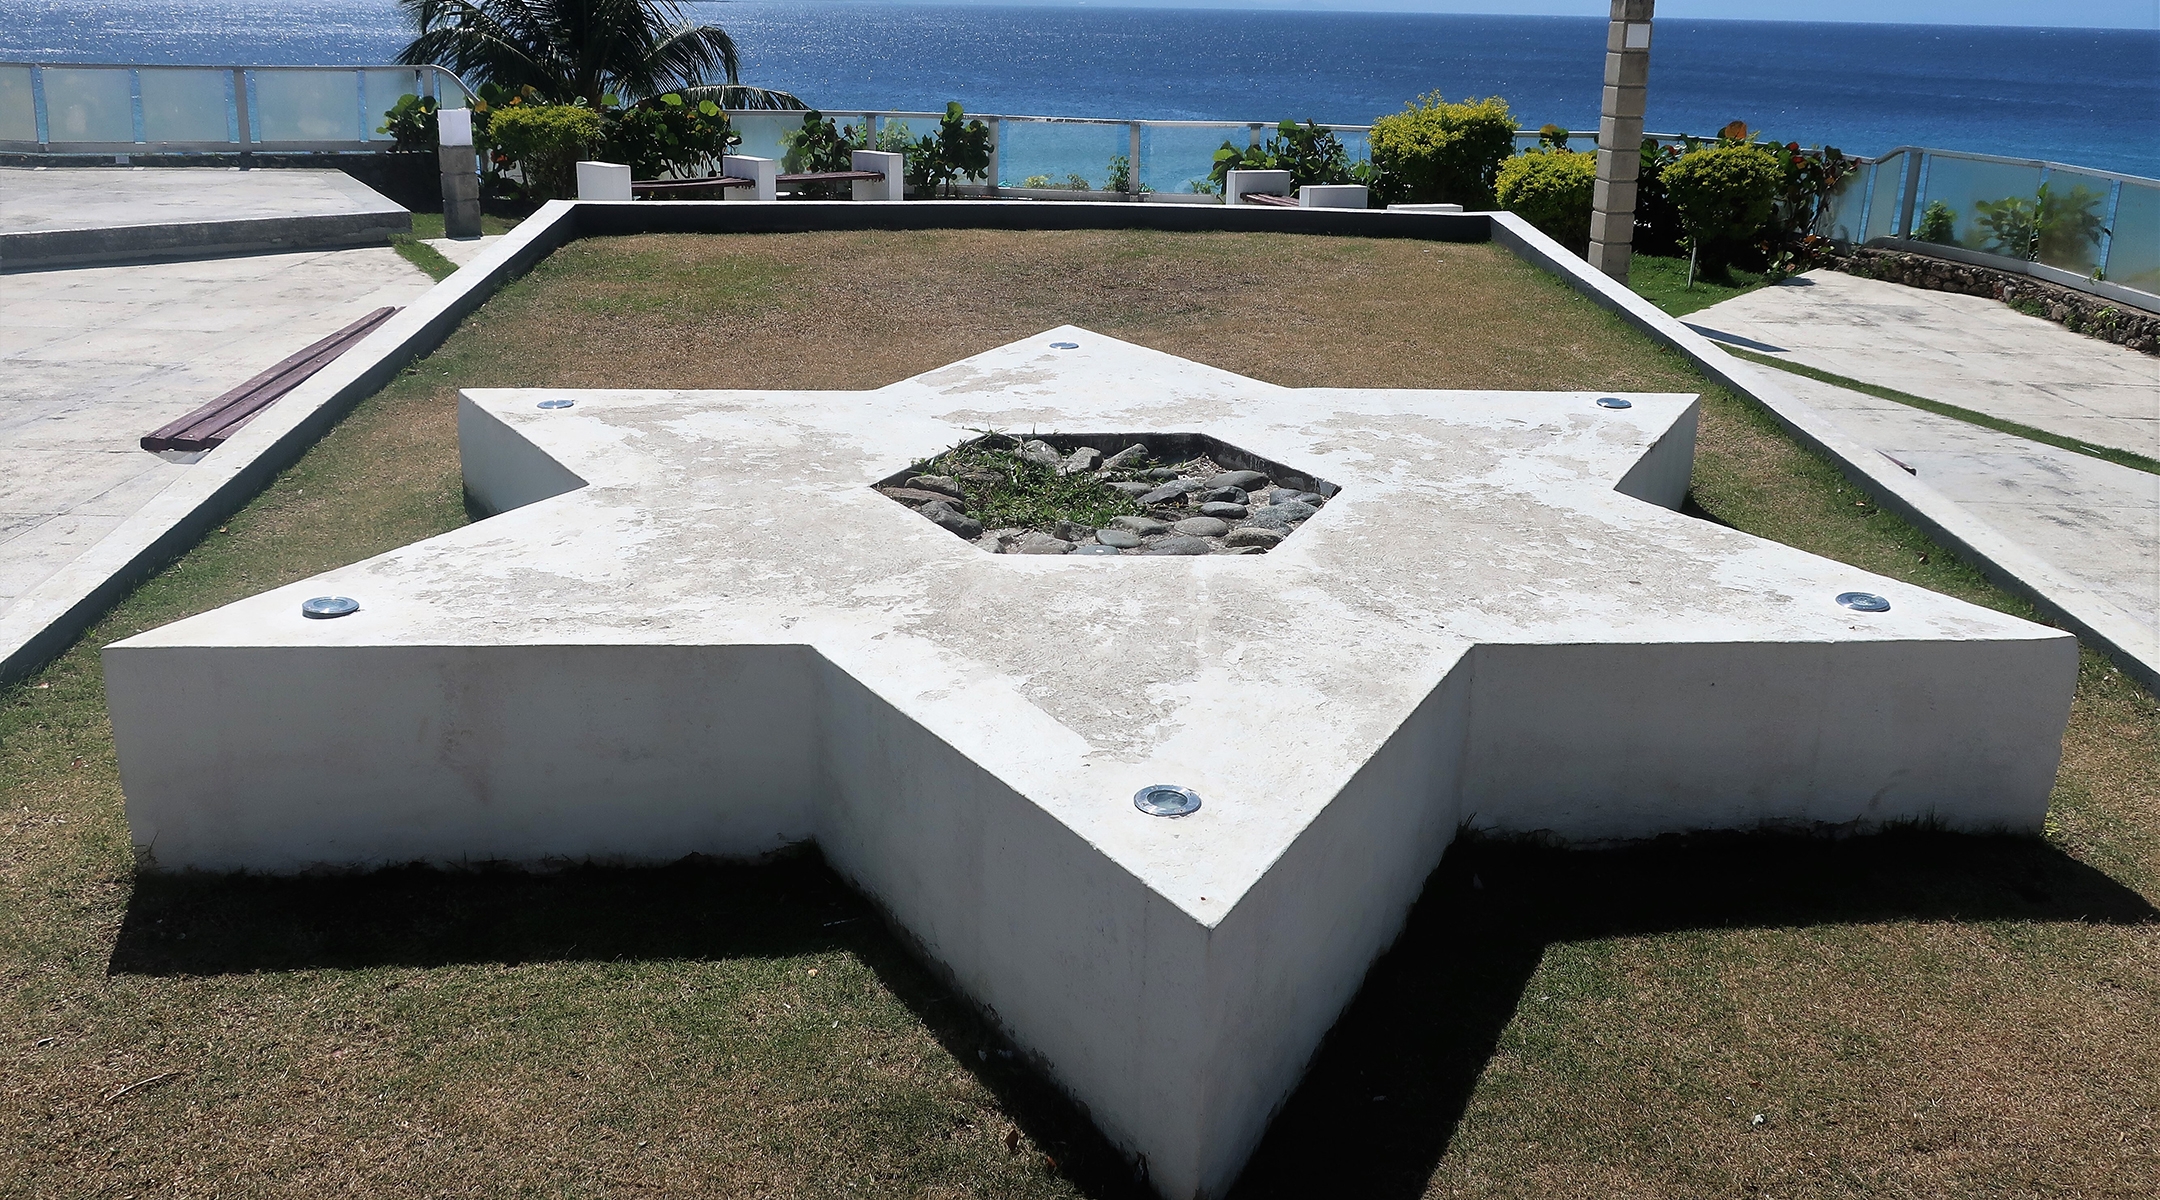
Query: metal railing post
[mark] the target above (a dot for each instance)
(1132, 164)
(1912, 194)
(240, 106)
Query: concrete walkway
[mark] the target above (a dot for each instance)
(2095, 522)
(71, 216)
(1969, 351)
(93, 358)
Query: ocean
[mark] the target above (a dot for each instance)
(2082, 96)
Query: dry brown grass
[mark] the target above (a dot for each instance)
(1913, 1015)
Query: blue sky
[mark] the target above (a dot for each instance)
(2100, 14)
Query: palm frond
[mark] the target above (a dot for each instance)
(741, 96)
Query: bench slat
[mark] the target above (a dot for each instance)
(677, 185)
(207, 427)
(830, 176)
(1270, 198)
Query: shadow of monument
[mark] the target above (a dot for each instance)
(1431, 1011)
(1420, 1031)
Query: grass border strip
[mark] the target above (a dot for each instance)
(2121, 458)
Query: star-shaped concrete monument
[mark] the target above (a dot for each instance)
(697, 627)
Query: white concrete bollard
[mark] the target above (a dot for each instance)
(1238, 183)
(764, 172)
(892, 187)
(1331, 195)
(603, 181)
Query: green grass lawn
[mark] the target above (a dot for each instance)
(1897, 1016)
(1664, 282)
(413, 247)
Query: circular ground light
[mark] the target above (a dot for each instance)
(559, 402)
(1863, 602)
(1166, 800)
(322, 608)
(1614, 402)
(1064, 345)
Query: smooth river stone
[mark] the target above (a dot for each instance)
(1123, 539)
(1201, 527)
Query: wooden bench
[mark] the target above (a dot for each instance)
(207, 427)
(831, 176)
(650, 186)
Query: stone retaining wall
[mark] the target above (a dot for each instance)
(2092, 316)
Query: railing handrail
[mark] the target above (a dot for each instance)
(2045, 163)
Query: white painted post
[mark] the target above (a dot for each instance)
(460, 172)
(894, 166)
(1620, 128)
(1332, 195)
(764, 174)
(1239, 182)
(603, 181)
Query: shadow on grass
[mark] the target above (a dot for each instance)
(1432, 1009)
(196, 924)
(1419, 1032)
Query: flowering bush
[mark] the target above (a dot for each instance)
(546, 141)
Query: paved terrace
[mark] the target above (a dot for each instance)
(2094, 520)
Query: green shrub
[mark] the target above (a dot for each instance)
(1311, 153)
(1434, 152)
(1938, 224)
(666, 133)
(1552, 190)
(1725, 195)
(412, 123)
(960, 151)
(546, 141)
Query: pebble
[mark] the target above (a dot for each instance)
(908, 495)
(1122, 539)
(1282, 516)
(1036, 542)
(1314, 499)
(1237, 479)
(1080, 461)
(990, 543)
(948, 517)
(1283, 495)
(1180, 545)
(1242, 550)
(1144, 526)
(1160, 473)
(1224, 509)
(1169, 492)
(1251, 535)
(1071, 531)
(1041, 453)
(1137, 452)
(1227, 495)
(1133, 488)
(1097, 550)
(1201, 527)
(936, 483)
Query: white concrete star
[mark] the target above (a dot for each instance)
(698, 629)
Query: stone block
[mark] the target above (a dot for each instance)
(1240, 182)
(1332, 195)
(603, 181)
(894, 166)
(764, 172)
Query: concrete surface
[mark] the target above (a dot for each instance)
(696, 628)
(68, 216)
(92, 359)
(2062, 597)
(1970, 351)
(464, 250)
(2098, 521)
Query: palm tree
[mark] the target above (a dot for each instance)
(569, 50)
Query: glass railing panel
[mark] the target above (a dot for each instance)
(1886, 191)
(449, 93)
(2133, 258)
(86, 104)
(18, 107)
(380, 91)
(186, 106)
(1059, 154)
(1990, 204)
(307, 106)
(1179, 158)
(760, 132)
(2074, 220)
(1840, 217)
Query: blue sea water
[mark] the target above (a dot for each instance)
(2075, 95)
